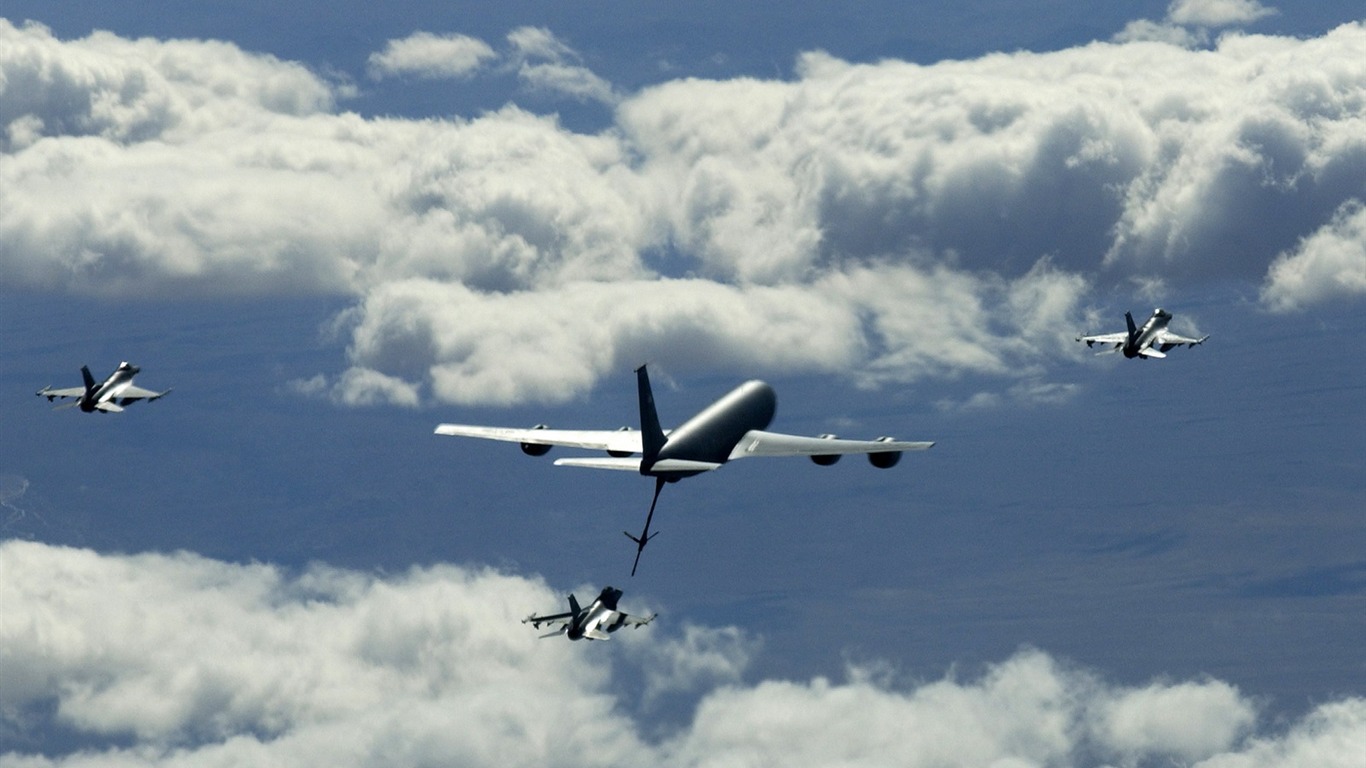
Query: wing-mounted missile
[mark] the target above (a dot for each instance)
(826, 459)
(620, 454)
(536, 449)
(884, 459)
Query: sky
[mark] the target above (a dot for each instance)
(329, 227)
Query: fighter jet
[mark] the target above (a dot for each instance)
(1152, 340)
(730, 428)
(116, 392)
(601, 618)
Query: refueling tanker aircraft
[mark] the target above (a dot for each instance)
(730, 428)
(600, 618)
(111, 396)
(1152, 340)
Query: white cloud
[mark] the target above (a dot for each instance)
(430, 56)
(1026, 711)
(1188, 21)
(545, 63)
(363, 386)
(180, 660)
(1217, 13)
(1332, 736)
(1186, 721)
(703, 658)
(1330, 263)
(891, 220)
(208, 662)
(1147, 30)
(576, 82)
(539, 43)
(553, 345)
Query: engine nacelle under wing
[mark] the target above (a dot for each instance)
(535, 449)
(886, 459)
(826, 459)
(620, 454)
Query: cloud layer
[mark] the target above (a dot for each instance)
(895, 220)
(179, 660)
(425, 55)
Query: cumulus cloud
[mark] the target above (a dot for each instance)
(1185, 721)
(539, 43)
(701, 659)
(545, 63)
(554, 344)
(175, 659)
(1147, 30)
(1188, 21)
(890, 220)
(430, 56)
(1217, 13)
(205, 661)
(1330, 263)
(578, 83)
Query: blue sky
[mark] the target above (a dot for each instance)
(329, 231)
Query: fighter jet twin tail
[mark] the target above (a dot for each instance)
(594, 623)
(1151, 340)
(110, 396)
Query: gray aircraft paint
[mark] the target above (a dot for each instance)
(711, 435)
(594, 623)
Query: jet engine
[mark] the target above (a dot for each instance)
(826, 459)
(886, 459)
(535, 449)
(620, 454)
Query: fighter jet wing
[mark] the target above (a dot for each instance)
(760, 443)
(556, 619)
(50, 393)
(1105, 338)
(617, 441)
(1165, 338)
(615, 620)
(131, 392)
(633, 621)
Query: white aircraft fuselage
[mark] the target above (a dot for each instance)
(601, 617)
(108, 391)
(1147, 334)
